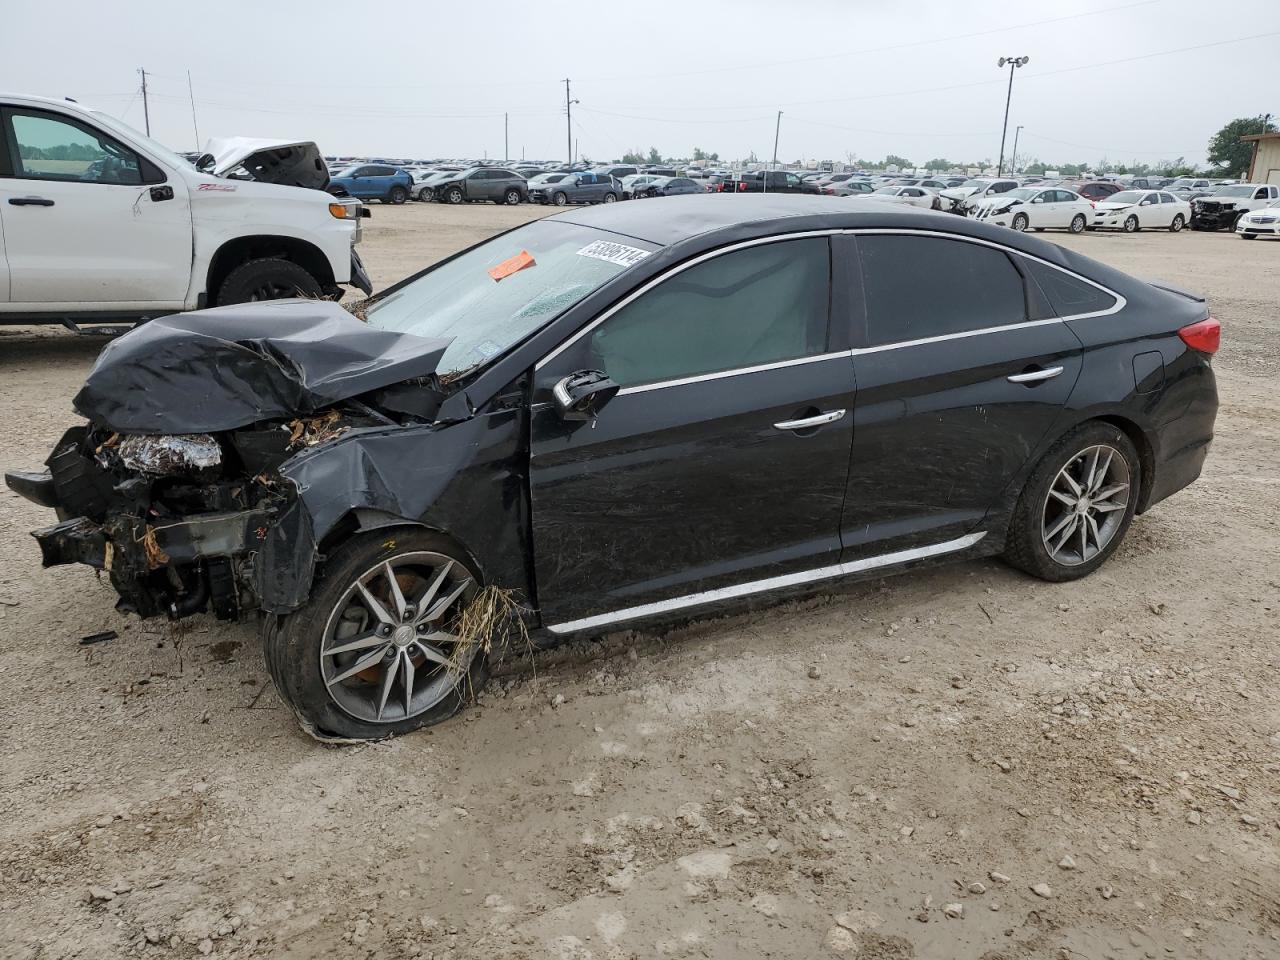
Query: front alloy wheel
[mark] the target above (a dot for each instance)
(380, 648)
(1020, 222)
(1131, 224)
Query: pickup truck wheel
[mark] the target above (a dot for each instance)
(559, 199)
(398, 195)
(454, 195)
(511, 197)
(377, 650)
(270, 278)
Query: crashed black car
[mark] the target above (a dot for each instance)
(623, 415)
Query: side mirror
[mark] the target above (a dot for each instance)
(205, 162)
(580, 395)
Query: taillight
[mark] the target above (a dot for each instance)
(1204, 336)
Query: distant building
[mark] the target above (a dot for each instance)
(1265, 165)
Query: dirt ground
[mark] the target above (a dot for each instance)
(889, 771)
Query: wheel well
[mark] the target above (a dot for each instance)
(356, 523)
(1146, 456)
(243, 249)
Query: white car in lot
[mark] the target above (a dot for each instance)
(1035, 208)
(1134, 210)
(913, 196)
(1260, 223)
(98, 222)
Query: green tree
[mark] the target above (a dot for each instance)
(698, 155)
(897, 161)
(654, 155)
(1228, 152)
(938, 164)
(1035, 169)
(633, 156)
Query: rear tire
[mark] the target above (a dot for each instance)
(511, 197)
(610, 197)
(294, 644)
(1178, 223)
(269, 278)
(398, 195)
(1078, 223)
(1039, 510)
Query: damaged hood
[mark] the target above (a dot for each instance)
(292, 163)
(230, 367)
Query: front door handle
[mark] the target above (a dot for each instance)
(30, 202)
(1035, 376)
(807, 423)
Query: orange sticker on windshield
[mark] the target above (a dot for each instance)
(515, 264)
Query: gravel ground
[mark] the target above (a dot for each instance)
(959, 763)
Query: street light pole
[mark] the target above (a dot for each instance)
(1013, 63)
(568, 122)
(1013, 160)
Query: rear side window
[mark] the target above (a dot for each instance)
(968, 287)
(755, 306)
(1068, 295)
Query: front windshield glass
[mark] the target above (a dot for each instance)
(494, 295)
(1125, 196)
(153, 146)
(1021, 193)
(976, 184)
(1236, 191)
(888, 190)
(1178, 185)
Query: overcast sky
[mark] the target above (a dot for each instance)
(433, 79)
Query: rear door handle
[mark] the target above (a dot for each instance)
(1035, 376)
(30, 202)
(830, 416)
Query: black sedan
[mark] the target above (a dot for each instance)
(622, 416)
(669, 187)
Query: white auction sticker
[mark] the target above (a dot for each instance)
(618, 253)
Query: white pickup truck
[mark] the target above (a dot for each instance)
(100, 223)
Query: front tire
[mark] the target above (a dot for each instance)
(1178, 223)
(1020, 222)
(269, 278)
(1077, 504)
(1078, 223)
(1131, 224)
(371, 654)
(559, 199)
(454, 195)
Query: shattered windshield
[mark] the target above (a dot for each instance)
(496, 294)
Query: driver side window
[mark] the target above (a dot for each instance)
(750, 307)
(56, 148)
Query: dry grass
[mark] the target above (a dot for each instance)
(492, 624)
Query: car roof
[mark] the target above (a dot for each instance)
(678, 219)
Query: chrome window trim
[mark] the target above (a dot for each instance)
(769, 583)
(1120, 303)
(676, 271)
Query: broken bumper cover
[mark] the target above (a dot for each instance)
(130, 543)
(1213, 219)
(359, 275)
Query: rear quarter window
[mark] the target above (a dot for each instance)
(1068, 295)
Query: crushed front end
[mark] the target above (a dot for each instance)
(1213, 214)
(176, 521)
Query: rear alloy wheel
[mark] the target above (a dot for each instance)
(270, 278)
(1077, 504)
(1020, 222)
(398, 195)
(376, 651)
(610, 197)
(454, 195)
(1178, 223)
(1078, 223)
(511, 197)
(559, 199)
(1131, 223)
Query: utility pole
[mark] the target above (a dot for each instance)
(1013, 161)
(506, 140)
(1013, 62)
(777, 130)
(568, 122)
(146, 110)
(192, 94)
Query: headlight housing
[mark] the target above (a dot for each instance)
(345, 209)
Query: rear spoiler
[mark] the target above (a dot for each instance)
(1170, 288)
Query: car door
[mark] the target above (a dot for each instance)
(956, 388)
(87, 220)
(1152, 213)
(723, 459)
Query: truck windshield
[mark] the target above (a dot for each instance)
(496, 294)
